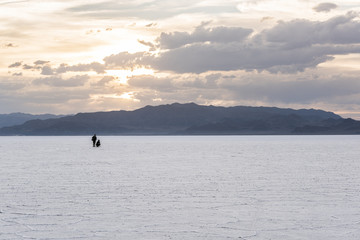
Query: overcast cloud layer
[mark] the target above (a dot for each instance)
(85, 56)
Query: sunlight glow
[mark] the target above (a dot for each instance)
(350, 61)
(128, 95)
(122, 76)
(125, 95)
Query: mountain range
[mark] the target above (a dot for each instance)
(191, 119)
(12, 119)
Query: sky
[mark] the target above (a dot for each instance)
(70, 56)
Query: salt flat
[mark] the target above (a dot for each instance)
(180, 187)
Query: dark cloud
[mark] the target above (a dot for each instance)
(14, 65)
(47, 70)
(17, 74)
(28, 67)
(325, 7)
(40, 62)
(125, 59)
(266, 19)
(9, 45)
(31, 67)
(151, 25)
(105, 80)
(202, 34)
(287, 47)
(302, 33)
(218, 57)
(200, 58)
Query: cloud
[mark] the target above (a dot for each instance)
(248, 87)
(12, 2)
(10, 45)
(55, 81)
(47, 70)
(48, 99)
(12, 33)
(94, 66)
(56, 95)
(126, 59)
(29, 67)
(152, 82)
(221, 61)
(218, 57)
(40, 62)
(291, 90)
(36, 66)
(288, 47)
(301, 33)
(175, 83)
(202, 34)
(15, 65)
(64, 68)
(150, 10)
(266, 19)
(8, 85)
(200, 58)
(96, 31)
(151, 25)
(148, 44)
(325, 7)
(105, 80)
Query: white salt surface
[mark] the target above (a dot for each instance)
(210, 187)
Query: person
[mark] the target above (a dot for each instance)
(98, 143)
(93, 139)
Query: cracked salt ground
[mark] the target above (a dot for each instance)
(213, 187)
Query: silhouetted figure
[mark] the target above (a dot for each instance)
(98, 143)
(93, 139)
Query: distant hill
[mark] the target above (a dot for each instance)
(191, 119)
(12, 119)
